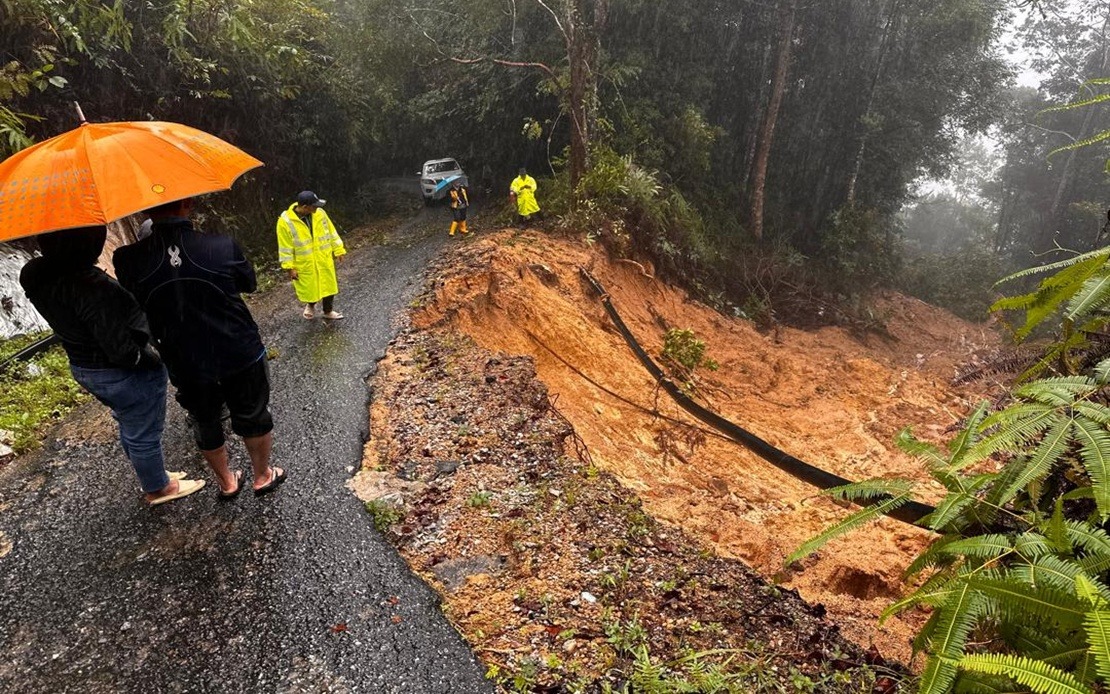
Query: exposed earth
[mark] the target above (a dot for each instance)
(521, 457)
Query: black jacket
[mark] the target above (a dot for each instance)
(188, 283)
(99, 323)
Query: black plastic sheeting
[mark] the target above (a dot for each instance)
(30, 351)
(910, 512)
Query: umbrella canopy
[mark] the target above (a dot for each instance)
(101, 172)
(443, 186)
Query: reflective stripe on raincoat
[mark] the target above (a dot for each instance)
(524, 187)
(311, 254)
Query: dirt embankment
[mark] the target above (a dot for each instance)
(829, 397)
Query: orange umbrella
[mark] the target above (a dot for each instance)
(102, 172)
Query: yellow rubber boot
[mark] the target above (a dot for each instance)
(462, 228)
(454, 225)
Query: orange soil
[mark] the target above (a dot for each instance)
(826, 396)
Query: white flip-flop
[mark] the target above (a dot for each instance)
(184, 488)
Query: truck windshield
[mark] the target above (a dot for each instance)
(441, 166)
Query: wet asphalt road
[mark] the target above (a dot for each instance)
(293, 592)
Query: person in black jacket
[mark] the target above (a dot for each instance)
(107, 341)
(189, 286)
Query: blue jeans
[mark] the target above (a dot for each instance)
(137, 399)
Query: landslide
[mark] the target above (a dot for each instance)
(831, 397)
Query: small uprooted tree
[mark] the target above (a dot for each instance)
(1018, 578)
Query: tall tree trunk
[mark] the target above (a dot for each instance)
(584, 29)
(892, 9)
(1049, 231)
(788, 10)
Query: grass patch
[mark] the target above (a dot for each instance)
(35, 394)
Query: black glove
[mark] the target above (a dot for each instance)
(149, 358)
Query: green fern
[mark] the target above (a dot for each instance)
(1021, 559)
(890, 494)
(1038, 676)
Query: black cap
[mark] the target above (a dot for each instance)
(307, 197)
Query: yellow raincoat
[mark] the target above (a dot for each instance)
(311, 253)
(524, 188)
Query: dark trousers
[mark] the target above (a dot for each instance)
(327, 302)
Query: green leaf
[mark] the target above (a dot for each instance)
(1020, 600)
(958, 616)
(856, 520)
(1040, 677)
(1095, 454)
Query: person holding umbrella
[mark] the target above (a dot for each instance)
(106, 338)
(189, 284)
(308, 246)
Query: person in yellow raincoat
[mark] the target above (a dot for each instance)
(308, 246)
(523, 192)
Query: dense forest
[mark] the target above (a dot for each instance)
(735, 133)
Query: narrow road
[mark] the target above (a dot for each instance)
(291, 592)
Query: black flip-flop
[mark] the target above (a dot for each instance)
(228, 496)
(276, 478)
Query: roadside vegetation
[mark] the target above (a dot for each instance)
(1018, 579)
(34, 395)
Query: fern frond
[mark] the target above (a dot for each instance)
(1042, 678)
(958, 617)
(1065, 657)
(948, 510)
(982, 683)
(1047, 454)
(1056, 532)
(1085, 142)
(1095, 542)
(1014, 434)
(1097, 626)
(1076, 104)
(868, 490)
(1094, 452)
(1102, 372)
(1029, 545)
(1018, 600)
(1093, 411)
(911, 445)
(1060, 574)
(1094, 258)
(969, 435)
(933, 555)
(1094, 295)
(1074, 385)
(983, 547)
(858, 519)
(1051, 294)
(935, 591)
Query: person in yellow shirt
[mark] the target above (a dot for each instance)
(308, 246)
(460, 202)
(522, 191)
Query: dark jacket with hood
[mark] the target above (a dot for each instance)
(99, 323)
(188, 283)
